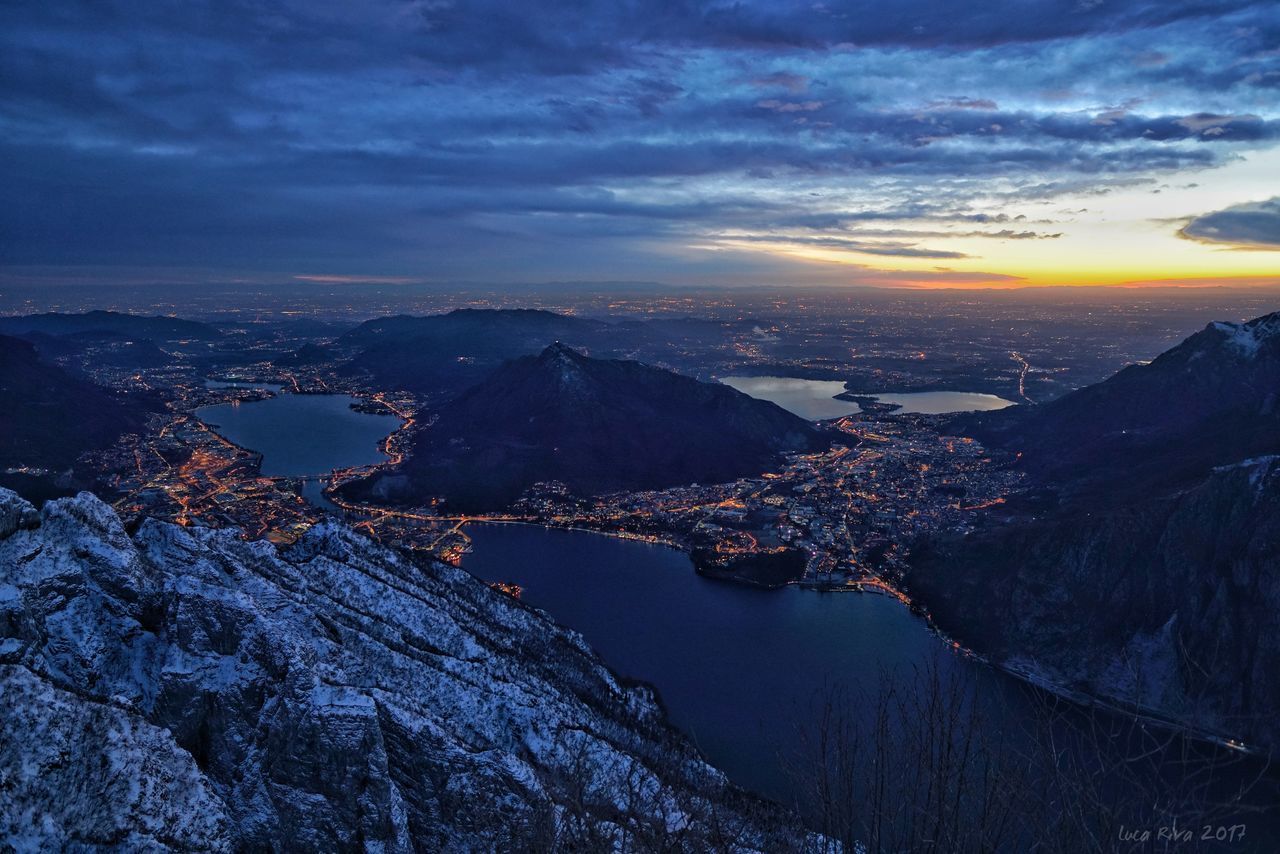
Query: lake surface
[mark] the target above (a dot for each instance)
(812, 399)
(740, 669)
(737, 668)
(815, 399)
(938, 402)
(302, 434)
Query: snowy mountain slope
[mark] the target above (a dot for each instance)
(183, 687)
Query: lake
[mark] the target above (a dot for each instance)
(302, 434)
(815, 399)
(737, 667)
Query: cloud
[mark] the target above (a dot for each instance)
(789, 106)
(1212, 124)
(962, 103)
(1151, 59)
(1255, 225)
(419, 137)
(793, 83)
(848, 244)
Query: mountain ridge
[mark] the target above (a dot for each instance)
(1207, 401)
(445, 353)
(597, 425)
(1144, 563)
(154, 327)
(49, 417)
(186, 688)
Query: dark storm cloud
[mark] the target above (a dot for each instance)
(570, 36)
(567, 36)
(1253, 226)
(418, 134)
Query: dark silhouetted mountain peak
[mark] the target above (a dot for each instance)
(1209, 401)
(1256, 338)
(1152, 579)
(444, 353)
(568, 369)
(562, 355)
(597, 425)
(559, 350)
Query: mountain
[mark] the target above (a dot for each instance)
(132, 326)
(48, 417)
(125, 353)
(448, 352)
(307, 355)
(184, 689)
(473, 329)
(142, 353)
(103, 349)
(1145, 566)
(596, 425)
(1210, 400)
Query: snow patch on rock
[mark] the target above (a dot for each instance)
(186, 688)
(1247, 338)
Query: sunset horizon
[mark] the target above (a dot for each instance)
(1064, 143)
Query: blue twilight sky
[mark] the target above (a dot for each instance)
(917, 142)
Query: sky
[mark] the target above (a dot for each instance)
(918, 143)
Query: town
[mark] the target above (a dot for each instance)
(841, 519)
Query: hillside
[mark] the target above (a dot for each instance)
(182, 688)
(448, 352)
(133, 326)
(1147, 567)
(596, 425)
(48, 417)
(307, 355)
(1211, 400)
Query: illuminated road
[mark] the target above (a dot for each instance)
(1022, 376)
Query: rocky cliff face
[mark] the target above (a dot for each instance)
(183, 687)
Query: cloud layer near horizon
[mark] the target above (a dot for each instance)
(1253, 225)
(683, 141)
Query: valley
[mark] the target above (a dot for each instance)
(640, 428)
(275, 447)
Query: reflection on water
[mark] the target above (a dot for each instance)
(815, 399)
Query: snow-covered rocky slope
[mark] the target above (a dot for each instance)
(185, 688)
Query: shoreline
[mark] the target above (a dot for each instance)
(1019, 672)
